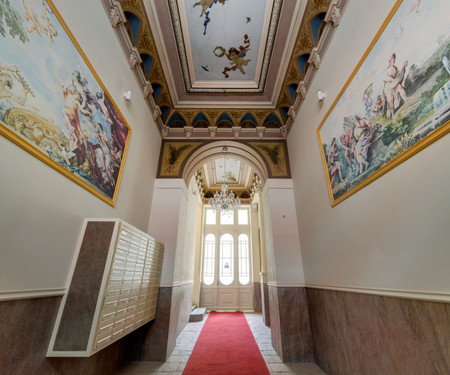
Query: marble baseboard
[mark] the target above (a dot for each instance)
(366, 334)
(25, 329)
(265, 304)
(290, 324)
(257, 297)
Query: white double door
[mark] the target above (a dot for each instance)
(229, 286)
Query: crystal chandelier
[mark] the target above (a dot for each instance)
(225, 202)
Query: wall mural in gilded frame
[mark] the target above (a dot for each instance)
(395, 103)
(52, 102)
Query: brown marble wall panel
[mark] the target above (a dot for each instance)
(265, 304)
(151, 339)
(274, 313)
(257, 297)
(290, 324)
(366, 334)
(156, 340)
(79, 309)
(25, 329)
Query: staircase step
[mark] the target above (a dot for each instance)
(197, 314)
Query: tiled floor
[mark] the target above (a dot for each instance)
(188, 337)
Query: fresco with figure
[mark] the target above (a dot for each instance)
(53, 104)
(396, 102)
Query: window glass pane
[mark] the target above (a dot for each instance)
(208, 259)
(244, 260)
(226, 266)
(243, 217)
(210, 217)
(226, 218)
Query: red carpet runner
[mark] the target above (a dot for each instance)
(226, 346)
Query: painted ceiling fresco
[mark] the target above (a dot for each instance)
(225, 40)
(224, 68)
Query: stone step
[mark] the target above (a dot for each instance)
(197, 314)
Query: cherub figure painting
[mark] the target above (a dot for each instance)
(236, 56)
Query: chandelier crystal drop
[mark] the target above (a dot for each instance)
(225, 202)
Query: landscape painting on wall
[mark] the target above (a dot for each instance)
(52, 102)
(395, 103)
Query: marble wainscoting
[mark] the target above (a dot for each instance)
(157, 339)
(369, 334)
(25, 329)
(257, 297)
(290, 325)
(265, 303)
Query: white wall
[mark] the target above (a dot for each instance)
(41, 211)
(393, 234)
(173, 221)
(284, 262)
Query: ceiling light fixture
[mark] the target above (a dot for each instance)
(223, 201)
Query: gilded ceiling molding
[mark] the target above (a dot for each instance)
(310, 52)
(295, 84)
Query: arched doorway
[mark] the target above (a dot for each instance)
(228, 258)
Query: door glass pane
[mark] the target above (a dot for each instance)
(226, 266)
(210, 217)
(244, 260)
(226, 218)
(243, 217)
(208, 259)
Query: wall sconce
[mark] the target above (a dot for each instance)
(127, 95)
(321, 95)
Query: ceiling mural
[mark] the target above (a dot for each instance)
(227, 170)
(220, 68)
(224, 42)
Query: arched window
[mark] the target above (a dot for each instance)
(226, 266)
(209, 259)
(244, 259)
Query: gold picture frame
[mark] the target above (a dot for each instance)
(395, 103)
(54, 105)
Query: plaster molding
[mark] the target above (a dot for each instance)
(314, 58)
(165, 131)
(236, 131)
(134, 58)
(334, 13)
(292, 113)
(116, 14)
(148, 89)
(408, 294)
(301, 89)
(156, 113)
(260, 130)
(31, 293)
(188, 131)
(212, 131)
